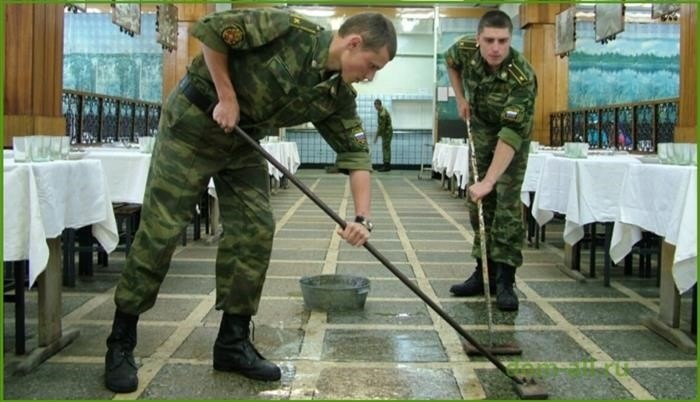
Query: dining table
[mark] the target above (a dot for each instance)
(451, 161)
(662, 199)
(41, 199)
(126, 170)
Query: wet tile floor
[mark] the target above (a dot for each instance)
(581, 340)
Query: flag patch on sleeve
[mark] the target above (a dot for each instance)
(360, 137)
(512, 114)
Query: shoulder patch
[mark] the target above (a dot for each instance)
(304, 25)
(233, 35)
(465, 44)
(517, 73)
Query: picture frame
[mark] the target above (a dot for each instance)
(77, 7)
(665, 11)
(127, 17)
(565, 40)
(609, 21)
(166, 26)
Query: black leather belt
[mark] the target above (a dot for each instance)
(195, 96)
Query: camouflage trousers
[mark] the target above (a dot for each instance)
(189, 150)
(386, 148)
(505, 233)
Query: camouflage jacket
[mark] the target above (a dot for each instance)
(384, 128)
(277, 66)
(502, 103)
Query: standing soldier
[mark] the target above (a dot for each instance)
(258, 69)
(385, 131)
(495, 89)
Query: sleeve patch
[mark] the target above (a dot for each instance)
(513, 114)
(360, 137)
(232, 35)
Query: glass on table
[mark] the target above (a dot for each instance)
(65, 147)
(40, 148)
(145, 144)
(21, 149)
(55, 148)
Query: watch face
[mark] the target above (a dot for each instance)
(364, 222)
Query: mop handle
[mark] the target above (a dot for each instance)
(403, 278)
(482, 234)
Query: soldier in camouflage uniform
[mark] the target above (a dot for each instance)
(495, 89)
(385, 131)
(259, 69)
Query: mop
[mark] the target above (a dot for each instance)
(496, 349)
(525, 387)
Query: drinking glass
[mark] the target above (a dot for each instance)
(41, 148)
(21, 149)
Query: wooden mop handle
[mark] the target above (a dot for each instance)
(482, 230)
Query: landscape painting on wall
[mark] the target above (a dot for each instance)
(641, 64)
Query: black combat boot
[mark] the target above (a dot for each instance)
(120, 367)
(474, 285)
(385, 168)
(506, 299)
(233, 351)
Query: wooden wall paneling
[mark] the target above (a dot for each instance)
(39, 59)
(33, 70)
(552, 71)
(47, 68)
(193, 11)
(686, 129)
(18, 59)
(540, 13)
(175, 63)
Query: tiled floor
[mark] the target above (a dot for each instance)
(396, 348)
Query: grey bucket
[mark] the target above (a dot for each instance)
(334, 292)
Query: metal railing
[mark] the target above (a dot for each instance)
(94, 118)
(629, 126)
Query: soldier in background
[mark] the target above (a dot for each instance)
(385, 131)
(495, 89)
(259, 68)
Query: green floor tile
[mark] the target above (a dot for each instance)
(383, 312)
(474, 312)
(603, 313)
(560, 385)
(379, 345)
(574, 289)
(637, 345)
(668, 382)
(392, 383)
(194, 382)
(57, 381)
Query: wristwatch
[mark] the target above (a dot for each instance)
(364, 222)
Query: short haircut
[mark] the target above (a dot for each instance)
(377, 102)
(375, 29)
(495, 19)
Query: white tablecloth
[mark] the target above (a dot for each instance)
(286, 153)
(661, 199)
(532, 175)
(126, 172)
(42, 199)
(585, 190)
(452, 160)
